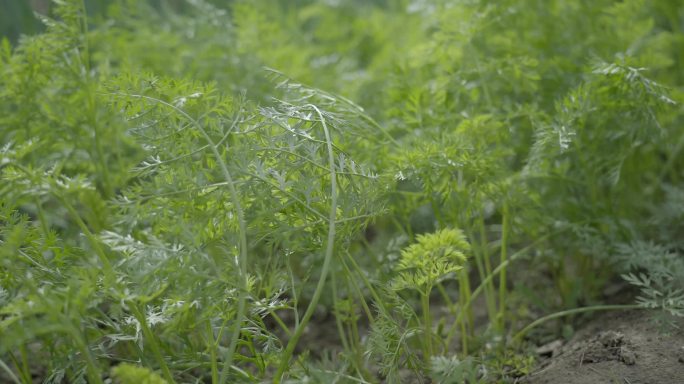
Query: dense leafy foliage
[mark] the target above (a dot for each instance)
(189, 188)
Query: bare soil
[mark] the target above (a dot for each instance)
(630, 347)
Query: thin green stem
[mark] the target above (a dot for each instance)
(338, 320)
(358, 291)
(24, 362)
(25, 376)
(84, 30)
(294, 291)
(502, 275)
(242, 225)
(437, 212)
(242, 261)
(464, 293)
(42, 218)
(518, 336)
(107, 266)
(353, 324)
(212, 353)
(368, 284)
(152, 341)
(427, 326)
(445, 296)
(92, 370)
(330, 247)
(490, 292)
(90, 110)
(9, 372)
(281, 323)
(483, 283)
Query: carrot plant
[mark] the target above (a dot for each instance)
(350, 191)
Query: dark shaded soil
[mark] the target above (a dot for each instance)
(632, 347)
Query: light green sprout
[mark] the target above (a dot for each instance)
(431, 259)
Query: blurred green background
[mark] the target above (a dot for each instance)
(17, 16)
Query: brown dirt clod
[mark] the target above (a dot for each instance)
(619, 347)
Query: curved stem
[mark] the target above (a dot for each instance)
(354, 286)
(242, 225)
(212, 353)
(242, 260)
(369, 286)
(338, 317)
(483, 284)
(9, 372)
(501, 319)
(152, 341)
(464, 294)
(518, 336)
(330, 247)
(427, 326)
(490, 292)
(92, 370)
(102, 256)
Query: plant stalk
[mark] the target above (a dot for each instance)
(518, 336)
(427, 326)
(330, 247)
(502, 275)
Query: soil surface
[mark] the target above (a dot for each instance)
(632, 347)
